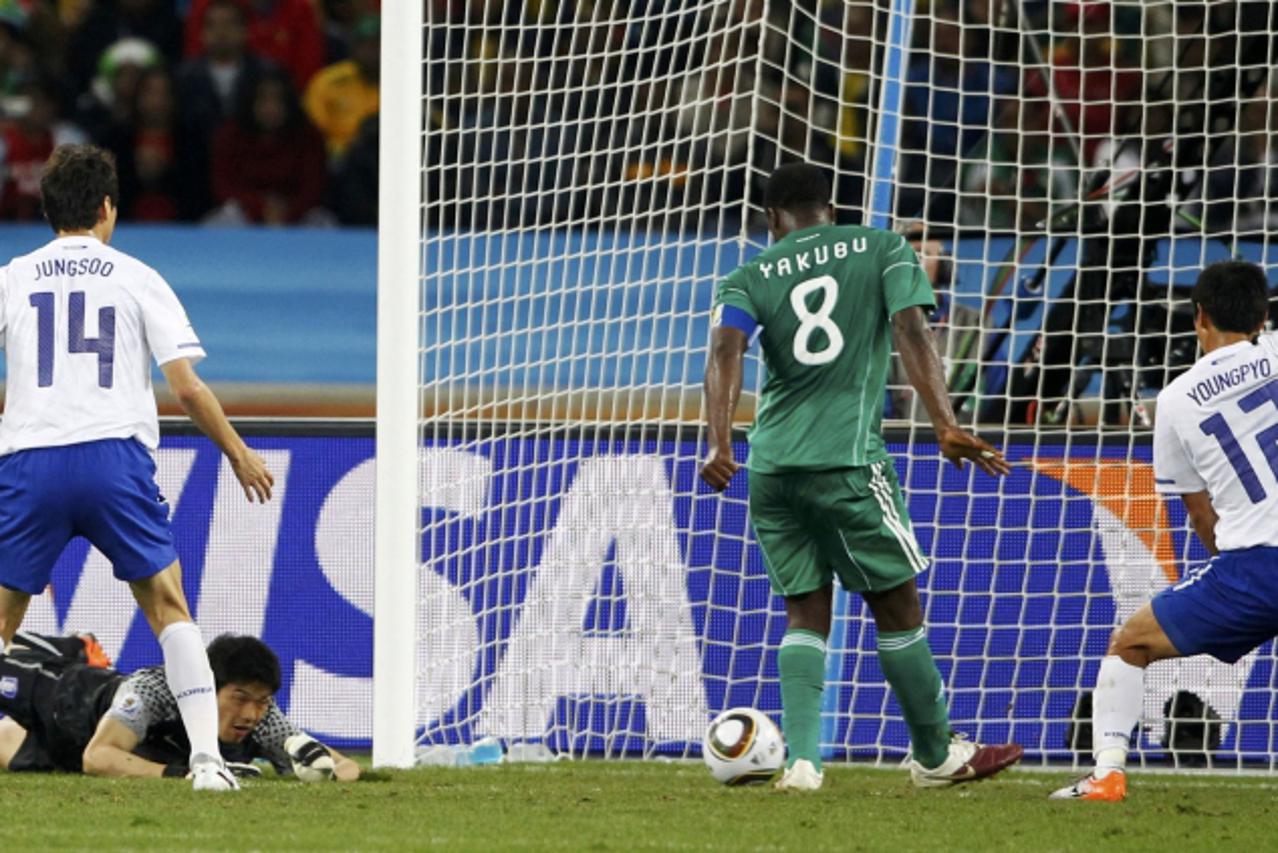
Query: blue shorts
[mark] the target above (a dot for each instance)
(1224, 608)
(104, 491)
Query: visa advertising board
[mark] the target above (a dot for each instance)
(589, 592)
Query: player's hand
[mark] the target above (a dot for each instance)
(244, 771)
(312, 762)
(251, 471)
(957, 445)
(719, 468)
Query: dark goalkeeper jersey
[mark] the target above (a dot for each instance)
(824, 297)
(144, 703)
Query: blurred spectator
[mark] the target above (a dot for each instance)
(285, 31)
(354, 183)
(269, 164)
(160, 179)
(108, 103)
(1087, 77)
(956, 328)
(17, 57)
(207, 84)
(339, 20)
(109, 21)
(26, 141)
(341, 96)
(949, 92)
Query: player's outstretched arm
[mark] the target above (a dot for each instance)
(110, 753)
(722, 391)
(1203, 516)
(923, 365)
(202, 407)
(344, 770)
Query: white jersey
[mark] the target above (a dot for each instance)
(80, 323)
(1217, 431)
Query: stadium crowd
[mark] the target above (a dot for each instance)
(567, 112)
(572, 111)
(217, 111)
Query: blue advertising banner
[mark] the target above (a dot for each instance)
(589, 592)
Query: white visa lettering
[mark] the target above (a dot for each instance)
(624, 500)
(240, 557)
(340, 705)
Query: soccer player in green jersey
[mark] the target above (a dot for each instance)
(824, 497)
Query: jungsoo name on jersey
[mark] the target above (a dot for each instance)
(74, 267)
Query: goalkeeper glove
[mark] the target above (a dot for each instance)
(312, 762)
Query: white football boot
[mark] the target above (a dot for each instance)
(213, 776)
(801, 776)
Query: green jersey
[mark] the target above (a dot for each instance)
(824, 297)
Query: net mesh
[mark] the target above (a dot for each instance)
(591, 171)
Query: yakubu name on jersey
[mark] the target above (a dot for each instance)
(824, 297)
(1217, 431)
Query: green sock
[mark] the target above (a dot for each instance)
(907, 664)
(801, 662)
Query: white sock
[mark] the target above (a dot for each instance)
(1116, 705)
(187, 671)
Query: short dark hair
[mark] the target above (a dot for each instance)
(76, 179)
(797, 187)
(1234, 294)
(241, 659)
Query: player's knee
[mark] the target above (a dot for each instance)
(1125, 642)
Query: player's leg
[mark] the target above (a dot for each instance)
(798, 574)
(1225, 609)
(186, 663)
(801, 667)
(1116, 704)
(13, 607)
(11, 737)
(866, 534)
(34, 528)
(908, 665)
(129, 523)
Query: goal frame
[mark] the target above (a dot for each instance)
(397, 542)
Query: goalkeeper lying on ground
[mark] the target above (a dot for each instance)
(65, 709)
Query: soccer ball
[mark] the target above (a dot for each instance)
(743, 747)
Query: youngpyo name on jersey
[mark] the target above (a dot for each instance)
(1240, 375)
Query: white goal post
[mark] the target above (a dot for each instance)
(562, 185)
(397, 548)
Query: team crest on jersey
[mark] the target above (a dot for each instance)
(716, 315)
(129, 707)
(8, 687)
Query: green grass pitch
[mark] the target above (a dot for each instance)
(629, 805)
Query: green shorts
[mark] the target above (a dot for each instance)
(849, 522)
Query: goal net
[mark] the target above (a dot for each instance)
(589, 171)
